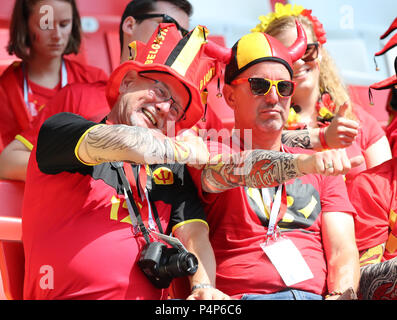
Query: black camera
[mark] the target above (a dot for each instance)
(161, 264)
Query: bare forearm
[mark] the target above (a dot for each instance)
(254, 168)
(14, 161)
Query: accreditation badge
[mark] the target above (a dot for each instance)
(288, 261)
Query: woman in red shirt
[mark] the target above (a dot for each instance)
(42, 32)
(320, 92)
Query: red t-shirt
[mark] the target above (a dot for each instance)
(77, 233)
(86, 99)
(369, 132)
(238, 226)
(374, 195)
(11, 86)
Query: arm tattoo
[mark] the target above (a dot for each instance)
(381, 275)
(253, 168)
(297, 138)
(138, 144)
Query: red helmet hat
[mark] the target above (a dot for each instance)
(391, 81)
(390, 44)
(258, 47)
(178, 62)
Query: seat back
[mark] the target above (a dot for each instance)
(12, 261)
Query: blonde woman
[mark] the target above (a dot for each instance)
(320, 92)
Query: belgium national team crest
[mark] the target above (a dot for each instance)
(163, 176)
(303, 205)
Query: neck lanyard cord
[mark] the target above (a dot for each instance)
(26, 89)
(127, 189)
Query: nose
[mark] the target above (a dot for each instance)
(56, 32)
(163, 106)
(272, 96)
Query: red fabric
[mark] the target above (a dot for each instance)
(374, 193)
(391, 134)
(10, 127)
(236, 232)
(87, 99)
(370, 132)
(84, 266)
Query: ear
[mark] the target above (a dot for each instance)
(128, 26)
(229, 95)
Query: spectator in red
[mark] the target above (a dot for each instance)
(42, 34)
(374, 195)
(320, 92)
(259, 231)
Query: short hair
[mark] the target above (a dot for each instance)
(20, 42)
(138, 7)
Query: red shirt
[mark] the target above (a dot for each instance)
(76, 222)
(86, 99)
(14, 114)
(374, 195)
(369, 132)
(238, 226)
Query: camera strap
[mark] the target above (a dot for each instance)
(132, 207)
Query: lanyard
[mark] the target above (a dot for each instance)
(27, 91)
(141, 195)
(277, 208)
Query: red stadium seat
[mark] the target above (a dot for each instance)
(12, 262)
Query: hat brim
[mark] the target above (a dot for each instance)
(193, 110)
(385, 84)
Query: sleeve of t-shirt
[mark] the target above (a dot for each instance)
(217, 150)
(57, 140)
(368, 193)
(186, 205)
(370, 127)
(334, 197)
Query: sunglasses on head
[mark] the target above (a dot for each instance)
(311, 52)
(166, 19)
(262, 86)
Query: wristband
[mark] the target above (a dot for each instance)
(201, 286)
(321, 136)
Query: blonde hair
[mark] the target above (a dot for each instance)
(330, 80)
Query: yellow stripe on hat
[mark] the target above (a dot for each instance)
(189, 51)
(251, 47)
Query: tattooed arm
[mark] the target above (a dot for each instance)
(263, 168)
(105, 143)
(300, 138)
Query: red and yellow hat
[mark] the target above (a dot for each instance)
(258, 47)
(391, 81)
(178, 62)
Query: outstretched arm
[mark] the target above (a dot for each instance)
(263, 168)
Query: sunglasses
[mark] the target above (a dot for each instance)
(311, 52)
(262, 86)
(166, 19)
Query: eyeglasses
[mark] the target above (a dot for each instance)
(262, 86)
(311, 52)
(162, 94)
(166, 19)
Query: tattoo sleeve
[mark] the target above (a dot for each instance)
(126, 143)
(297, 138)
(253, 168)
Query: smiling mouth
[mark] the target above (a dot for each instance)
(150, 117)
(301, 73)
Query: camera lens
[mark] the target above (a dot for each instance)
(179, 265)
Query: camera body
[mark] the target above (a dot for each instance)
(161, 264)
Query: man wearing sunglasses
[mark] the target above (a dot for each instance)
(294, 241)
